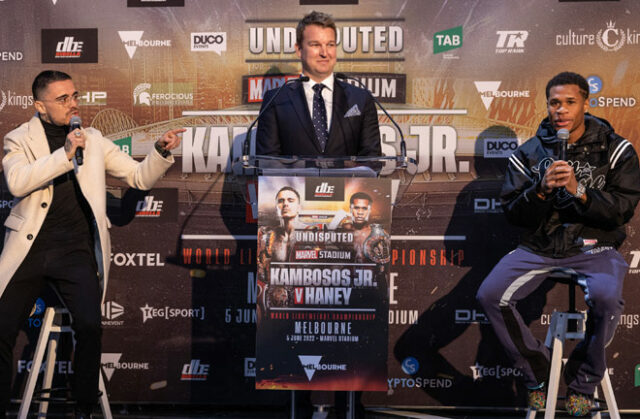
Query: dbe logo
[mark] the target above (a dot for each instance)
(195, 371)
(209, 41)
(159, 205)
(321, 190)
(500, 148)
(149, 207)
(447, 40)
(69, 45)
(511, 42)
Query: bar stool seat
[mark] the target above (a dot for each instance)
(52, 325)
(563, 326)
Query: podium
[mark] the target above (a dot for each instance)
(322, 270)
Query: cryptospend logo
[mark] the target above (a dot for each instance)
(595, 84)
(410, 365)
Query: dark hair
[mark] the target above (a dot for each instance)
(360, 195)
(567, 77)
(288, 188)
(314, 18)
(44, 79)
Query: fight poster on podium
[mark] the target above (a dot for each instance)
(322, 273)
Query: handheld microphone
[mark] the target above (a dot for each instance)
(403, 145)
(246, 147)
(76, 123)
(563, 136)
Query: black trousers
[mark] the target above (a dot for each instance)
(71, 269)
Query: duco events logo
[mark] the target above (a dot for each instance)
(609, 39)
(596, 85)
(167, 313)
(163, 94)
(511, 42)
(311, 364)
(489, 90)
(209, 41)
(111, 362)
(155, 3)
(499, 148)
(69, 45)
(195, 371)
(498, 372)
(9, 98)
(133, 39)
(447, 40)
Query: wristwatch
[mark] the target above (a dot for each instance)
(580, 191)
(163, 151)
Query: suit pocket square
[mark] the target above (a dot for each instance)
(354, 111)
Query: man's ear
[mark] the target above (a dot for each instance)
(39, 107)
(298, 50)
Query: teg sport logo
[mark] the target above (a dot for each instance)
(209, 41)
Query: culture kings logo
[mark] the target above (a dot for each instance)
(111, 362)
(166, 312)
(511, 42)
(69, 45)
(311, 364)
(489, 90)
(209, 41)
(610, 38)
(133, 39)
(195, 371)
(163, 94)
(13, 99)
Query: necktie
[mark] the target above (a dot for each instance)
(319, 117)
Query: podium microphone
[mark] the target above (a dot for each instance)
(246, 147)
(76, 123)
(563, 136)
(403, 145)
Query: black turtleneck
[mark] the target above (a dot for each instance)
(69, 216)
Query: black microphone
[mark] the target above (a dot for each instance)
(76, 123)
(563, 136)
(403, 145)
(246, 148)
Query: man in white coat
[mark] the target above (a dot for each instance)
(57, 232)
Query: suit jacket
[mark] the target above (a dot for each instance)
(286, 128)
(30, 167)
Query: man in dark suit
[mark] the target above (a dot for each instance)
(344, 121)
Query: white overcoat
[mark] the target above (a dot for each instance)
(30, 168)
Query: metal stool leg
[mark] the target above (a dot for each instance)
(37, 362)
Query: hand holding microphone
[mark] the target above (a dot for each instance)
(75, 141)
(559, 174)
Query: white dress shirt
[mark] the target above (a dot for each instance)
(327, 95)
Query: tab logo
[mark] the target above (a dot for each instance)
(195, 371)
(447, 40)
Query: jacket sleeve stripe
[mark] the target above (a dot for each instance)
(518, 165)
(618, 152)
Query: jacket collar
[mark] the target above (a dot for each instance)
(37, 138)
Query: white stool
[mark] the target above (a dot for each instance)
(52, 324)
(570, 325)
